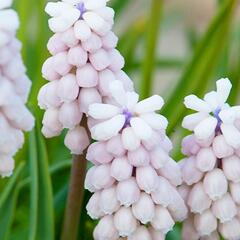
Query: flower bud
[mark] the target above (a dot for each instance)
(115, 146)
(108, 202)
(205, 223)
(129, 139)
(77, 56)
(68, 38)
(188, 230)
(162, 220)
(61, 64)
(235, 192)
(128, 192)
(121, 169)
(147, 179)
(93, 208)
(139, 208)
(212, 236)
(231, 168)
(221, 148)
(230, 229)
(88, 184)
(205, 159)
(215, 184)
(82, 30)
(6, 165)
(158, 157)
(140, 234)
(93, 43)
(100, 59)
(125, 222)
(105, 230)
(50, 120)
(139, 157)
(224, 209)
(190, 146)
(198, 201)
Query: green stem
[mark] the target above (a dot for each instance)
(151, 43)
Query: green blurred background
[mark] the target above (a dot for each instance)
(172, 48)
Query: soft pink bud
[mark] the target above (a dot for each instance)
(205, 223)
(189, 145)
(77, 56)
(221, 148)
(189, 231)
(105, 230)
(231, 168)
(48, 133)
(172, 172)
(92, 44)
(60, 63)
(198, 201)
(50, 120)
(88, 184)
(87, 76)
(67, 89)
(128, 192)
(47, 70)
(224, 209)
(215, 184)
(125, 222)
(162, 220)
(206, 159)
(139, 157)
(156, 235)
(190, 173)
(153, 142)
(100, 59)
(6, 166)
(124, 78)
(235, 192)
(108, 201)
(105, 78)
(97, 153)
(109, 40)
(93, 208)
(88, 96)
(140, 234)
(129, 139)
(230, 229)
(206, 142)
(139, 208)
(184, 191)
(158, 157)
(68, 37)
(116, 60)
(82, 30)
(212, 236)
(101, 177)
(147, 179)
(55, 44)
(70, 115)
(77, 140)
(121, 169)
(115, 146)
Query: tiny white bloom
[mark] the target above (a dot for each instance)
(127, 113)
(213, 115)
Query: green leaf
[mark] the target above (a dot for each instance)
(196, 77)
(151, 43)
(45, 206)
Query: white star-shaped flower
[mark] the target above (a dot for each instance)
(84, 15)
(135, 120)
(213, 115)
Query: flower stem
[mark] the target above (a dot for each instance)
(75, 198)
(75, 195)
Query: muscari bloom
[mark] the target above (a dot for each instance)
(15, 118)
(211, 170)
(132, 169)
(84, 62)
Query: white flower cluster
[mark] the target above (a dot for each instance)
(134, 179)
(83, 63)
(211, 171)
(14, 89)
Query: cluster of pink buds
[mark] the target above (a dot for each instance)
(83, 63)
(211, 170)
(133, 178)
(14, 89)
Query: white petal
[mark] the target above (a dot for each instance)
(95, 22)
(228, 115)
(155, 121)
(205, 128)
(150, 104)
(93, 4)
(141, 128)
(212, 99)
(108, 129)
(231, 135)
(223, 89)
(118, 92)
(197, 104)
(103, 111)
(192, 120)
(132, 100)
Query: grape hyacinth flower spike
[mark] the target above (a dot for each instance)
(132, 169)
(211, 169)
(83, 63)
(15, 118)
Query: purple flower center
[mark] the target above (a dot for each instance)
(128, 116)
(216, 115)
(81, 7)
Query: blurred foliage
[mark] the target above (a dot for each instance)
(32, 201)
